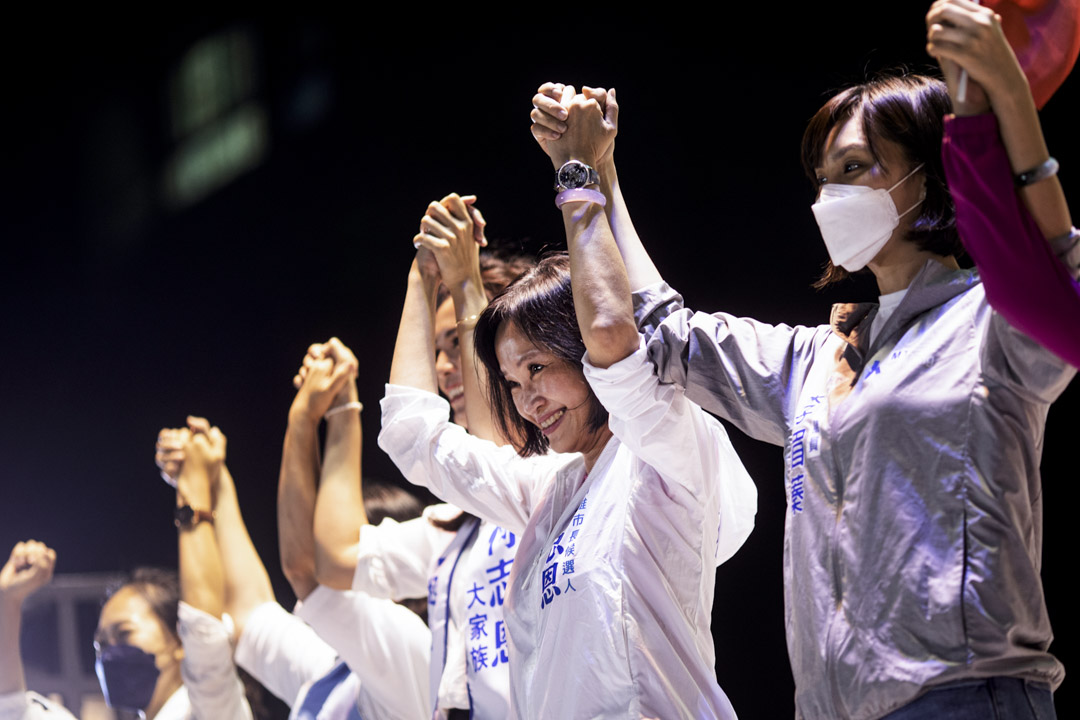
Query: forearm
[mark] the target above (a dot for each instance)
(202, 584)
(600, 286)
(1022, 135)
(339, 509)
(12, 678)
(470, 299)
(488, 481)
(413, 363)
(640, 269)
(296, 503)
(247, 584)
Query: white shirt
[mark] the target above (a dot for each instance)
(466, 573)
(179, 707)
(283, 653)
(386, 645)
(886, 305)
(612, 587)
(213, 688)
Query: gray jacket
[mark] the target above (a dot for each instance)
(913, 534)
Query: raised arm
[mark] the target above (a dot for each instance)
(602, 301)
(453, 230)
(549, 115)
(416, 432)
(339, 509)
(246, 583)
(28, 569)
(964, 35)
(1031, 283)
(413, 363)
(202, 582)
(317, 387)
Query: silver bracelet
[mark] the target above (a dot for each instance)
(1037, 173)
(354, 405)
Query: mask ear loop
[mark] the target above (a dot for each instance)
(922, 195)
(899, 182)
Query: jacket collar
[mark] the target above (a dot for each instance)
(934, 285)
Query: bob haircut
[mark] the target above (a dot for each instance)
(908, 110)
(541, 305)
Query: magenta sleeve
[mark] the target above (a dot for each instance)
(1025, 281)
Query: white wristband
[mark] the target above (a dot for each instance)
(354, 405)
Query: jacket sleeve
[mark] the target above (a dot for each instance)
(678, 440)
(489, 481)
(386, 645)
(747, 372)
(395, 559)
(1029, 281)
(214, 688)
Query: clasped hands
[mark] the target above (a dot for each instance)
(326, 379)
(569, 125)
(190, 458)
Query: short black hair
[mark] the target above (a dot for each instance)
(540, 303)
(385, 500)
(160, 589)
(909, 110)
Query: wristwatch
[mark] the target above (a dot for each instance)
(574, 174)
(186, 517)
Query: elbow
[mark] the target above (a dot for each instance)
(611, 339)
(333, 571)
(298, 569)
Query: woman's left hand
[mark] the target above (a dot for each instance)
(964, 36)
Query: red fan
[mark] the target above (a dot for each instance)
(1045, 35)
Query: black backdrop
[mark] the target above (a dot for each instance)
(121, 315)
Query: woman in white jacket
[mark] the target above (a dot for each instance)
(610, 592)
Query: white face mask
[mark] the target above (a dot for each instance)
(857, 221)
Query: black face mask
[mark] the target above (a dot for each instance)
(127, 675)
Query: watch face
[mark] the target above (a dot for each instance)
(574, 175)
(184, 515)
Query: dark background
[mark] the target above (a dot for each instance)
(124, 309)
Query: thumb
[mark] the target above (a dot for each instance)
(343, 372)
(612, 111)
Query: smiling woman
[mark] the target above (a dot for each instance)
(619, 531)
(529, 341)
